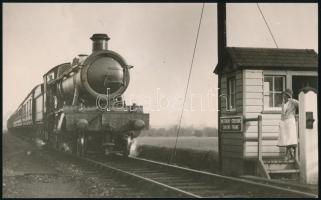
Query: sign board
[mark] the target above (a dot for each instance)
(231, 124)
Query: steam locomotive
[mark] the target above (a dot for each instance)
(79, 106)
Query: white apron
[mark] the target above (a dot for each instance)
(288, 131)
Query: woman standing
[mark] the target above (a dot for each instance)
(288, 130)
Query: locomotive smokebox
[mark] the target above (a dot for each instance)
(104, 72)
(100, 42)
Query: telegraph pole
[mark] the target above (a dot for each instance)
(221, 46)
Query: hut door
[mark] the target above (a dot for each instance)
(299, 82)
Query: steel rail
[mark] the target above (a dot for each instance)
(210, 179)
(234, 179)
(218, 179)
(180, 176)
(165, 187)
(131, 167)
(272, 189)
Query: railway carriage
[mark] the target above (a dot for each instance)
(79, 105)
(30, 112)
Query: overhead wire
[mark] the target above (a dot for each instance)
(267, 25)
(187, 86)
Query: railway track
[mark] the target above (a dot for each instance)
(147, 178)
(115, 186)
(164, 180)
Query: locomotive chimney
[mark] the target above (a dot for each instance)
(100, 42)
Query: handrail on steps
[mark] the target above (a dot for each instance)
(261, 171)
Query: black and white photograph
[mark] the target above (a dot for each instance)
(160, 100)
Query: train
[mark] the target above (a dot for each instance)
(79, 106)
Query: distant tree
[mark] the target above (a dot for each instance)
(198, 133)
(184, 131)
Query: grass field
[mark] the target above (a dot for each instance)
(194, 152)
(196, 143)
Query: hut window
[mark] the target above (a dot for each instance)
(273, 87)
(231, 85)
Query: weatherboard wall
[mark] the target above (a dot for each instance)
(253, 106)
(240, 146)
(232, 142)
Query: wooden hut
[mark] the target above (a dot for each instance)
(251, 81)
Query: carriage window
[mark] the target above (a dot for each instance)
(37, 91)
(29, 106)
(231, 85)
(273, 87)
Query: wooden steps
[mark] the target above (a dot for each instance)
(281, 169)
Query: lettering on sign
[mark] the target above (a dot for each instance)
(231, 124)
(226, 127)
(234, 121)
(225, 121)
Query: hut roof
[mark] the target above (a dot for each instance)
(269, 58)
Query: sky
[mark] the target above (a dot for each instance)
(156, 38)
